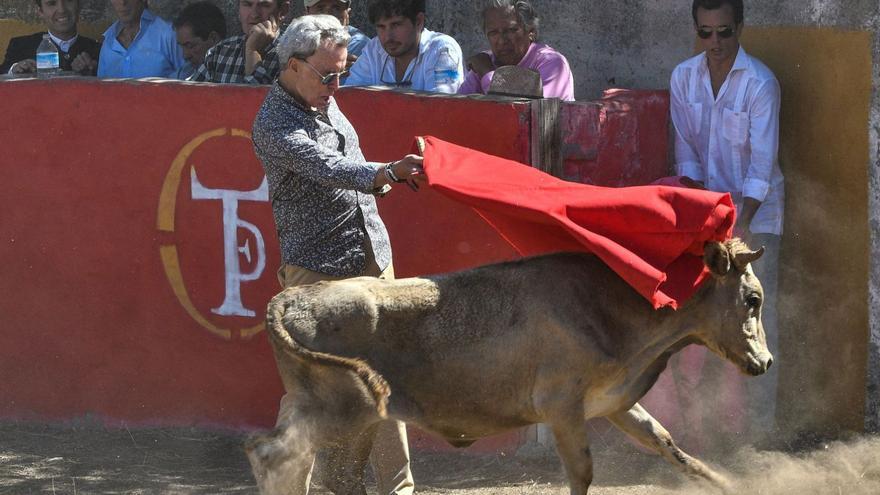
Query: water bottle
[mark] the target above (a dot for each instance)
(446, 73)
(47, 58)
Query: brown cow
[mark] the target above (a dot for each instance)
(554, 339)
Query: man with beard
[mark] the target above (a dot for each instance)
(404, 54)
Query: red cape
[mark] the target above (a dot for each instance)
(652, 236)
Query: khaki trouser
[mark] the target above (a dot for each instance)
(390, 454)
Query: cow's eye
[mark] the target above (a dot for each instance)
(753, 300)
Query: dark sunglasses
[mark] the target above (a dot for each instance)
(407, 82)
(706, 33)
(326, 79)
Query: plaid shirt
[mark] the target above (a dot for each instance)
(224, 63)
(268, 69)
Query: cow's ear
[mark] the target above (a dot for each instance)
(717, 258)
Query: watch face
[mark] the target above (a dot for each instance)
(382, 191)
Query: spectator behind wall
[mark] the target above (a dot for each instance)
(199, 26)
(76, 53)
(340, 9)
(268, 69)
(511, 27)
(233, 60)
(403, 54)
(139, 44)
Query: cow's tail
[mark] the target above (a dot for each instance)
(281, 339)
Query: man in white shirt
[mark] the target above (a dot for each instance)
(404, 54)
(725, 109)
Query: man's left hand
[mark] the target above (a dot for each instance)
(744, 218)
(410, 169)
(84, 64)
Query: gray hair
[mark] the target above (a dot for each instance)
(302, 38)
(525, 12)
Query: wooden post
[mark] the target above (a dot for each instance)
(546, 142)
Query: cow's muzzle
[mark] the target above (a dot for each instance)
(759, 364)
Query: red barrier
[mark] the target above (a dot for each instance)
(140, 248)
(620, 140)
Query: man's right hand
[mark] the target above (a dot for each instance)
(261, 35)
(28, 66)
(691, 183)
(258, 38)
(408, 170)
(481, 64)
(350, 61)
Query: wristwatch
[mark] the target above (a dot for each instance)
(389, 173)
(382, 191)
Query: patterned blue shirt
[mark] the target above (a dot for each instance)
(153, 53)
(320, 185)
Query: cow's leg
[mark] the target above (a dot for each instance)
(637, 423)
(345, 462)
(281, 461)
(573, 447)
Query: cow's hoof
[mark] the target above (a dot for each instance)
(722, 482)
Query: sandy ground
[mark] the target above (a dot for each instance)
(37, 458)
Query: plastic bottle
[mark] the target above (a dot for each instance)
(446, 73)
(47, 58)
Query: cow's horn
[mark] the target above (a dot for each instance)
(743, 258)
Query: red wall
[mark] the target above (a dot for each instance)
(111, 268)
(619, 140)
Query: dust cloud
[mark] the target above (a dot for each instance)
(850, 468)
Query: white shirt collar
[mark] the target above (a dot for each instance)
(64, 46)
(741, 62)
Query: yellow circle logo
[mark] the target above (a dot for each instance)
(232, 250)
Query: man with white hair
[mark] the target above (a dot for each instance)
(323, 198)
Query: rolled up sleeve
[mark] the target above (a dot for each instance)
(763, 140)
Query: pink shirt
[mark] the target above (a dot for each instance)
(552, 65)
